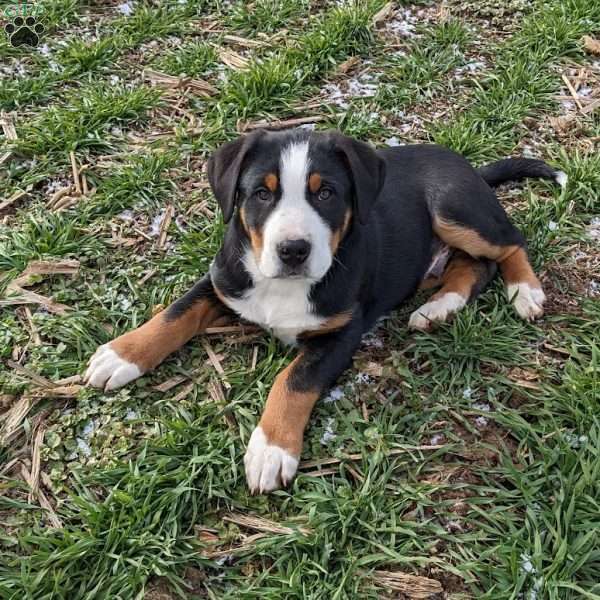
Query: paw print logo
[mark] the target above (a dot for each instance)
(24, 32)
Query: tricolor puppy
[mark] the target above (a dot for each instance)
(325, 235)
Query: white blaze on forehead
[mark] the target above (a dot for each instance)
(294, 218)
(293, 169)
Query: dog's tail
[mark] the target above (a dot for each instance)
(515, 169)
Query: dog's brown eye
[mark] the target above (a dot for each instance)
(324, 194)
(263, 195)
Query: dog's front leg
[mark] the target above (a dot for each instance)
(138, 351)
(274, 448)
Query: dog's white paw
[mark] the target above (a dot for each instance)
(528, 301)
(436, 311)
(268, 467)
(109, 371)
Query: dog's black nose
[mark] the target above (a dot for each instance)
(293, 252)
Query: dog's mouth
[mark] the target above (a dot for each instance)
(288, 273)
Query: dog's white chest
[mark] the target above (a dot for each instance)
(281, 305)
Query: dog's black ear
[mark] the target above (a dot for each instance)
(368, 172)
(223, 170)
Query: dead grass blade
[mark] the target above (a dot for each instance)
(35, 271)
(591, 45)
(164, 225)
(10, 133)
(232, 59)
(263, 525)
(309, 464)
(413, 586)
(244, 42)
(279, 123)
(196, 86)
(382, 14)
(18, 195)
(44, 502)
(35, 462)
(13, 418)
(214, 361)
(170, 383)
(572, 91)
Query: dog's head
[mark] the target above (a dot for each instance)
(296, 194)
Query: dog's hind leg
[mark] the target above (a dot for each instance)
(464, 278)
(523, 288)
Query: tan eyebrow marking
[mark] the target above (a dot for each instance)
(314, 182)
(271, 181)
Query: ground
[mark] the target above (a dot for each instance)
(459, 463)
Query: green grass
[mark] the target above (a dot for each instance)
(506, 504)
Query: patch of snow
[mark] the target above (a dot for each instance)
(481, 422)
(436, 439)
(552, 226)
(483, 406)
(467, 393)
(114, 79)
(594, 288)
(334, 395)
(393, 141)
(127, 215)
(131, 415)
(371, 340)
(84, 447)
(56, 184)
(403, 23)
(156, 222)
(125, 303)
(44, 50)
(88, 430)
(593, 229)
(471, 67)
(14, 69)
(363, 378)
(574, 440)
(526, 564)
(126, 8)
(329, 434)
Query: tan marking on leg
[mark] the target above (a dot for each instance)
(430, 283)
(333, 323)
(338, 235)
(516, 268)
(287, 412)
(314, 182)
(459, 280)
(256, 238)
(523, 288)
(460, 277)
(271, 182)
(148, 345)
(469, 241)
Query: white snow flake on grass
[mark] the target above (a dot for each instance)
(329, 434)
(156, 222)
(526, 564)
(126, 8)
(481, 422)
(84, 447)
(337, 393)
(593, 229)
